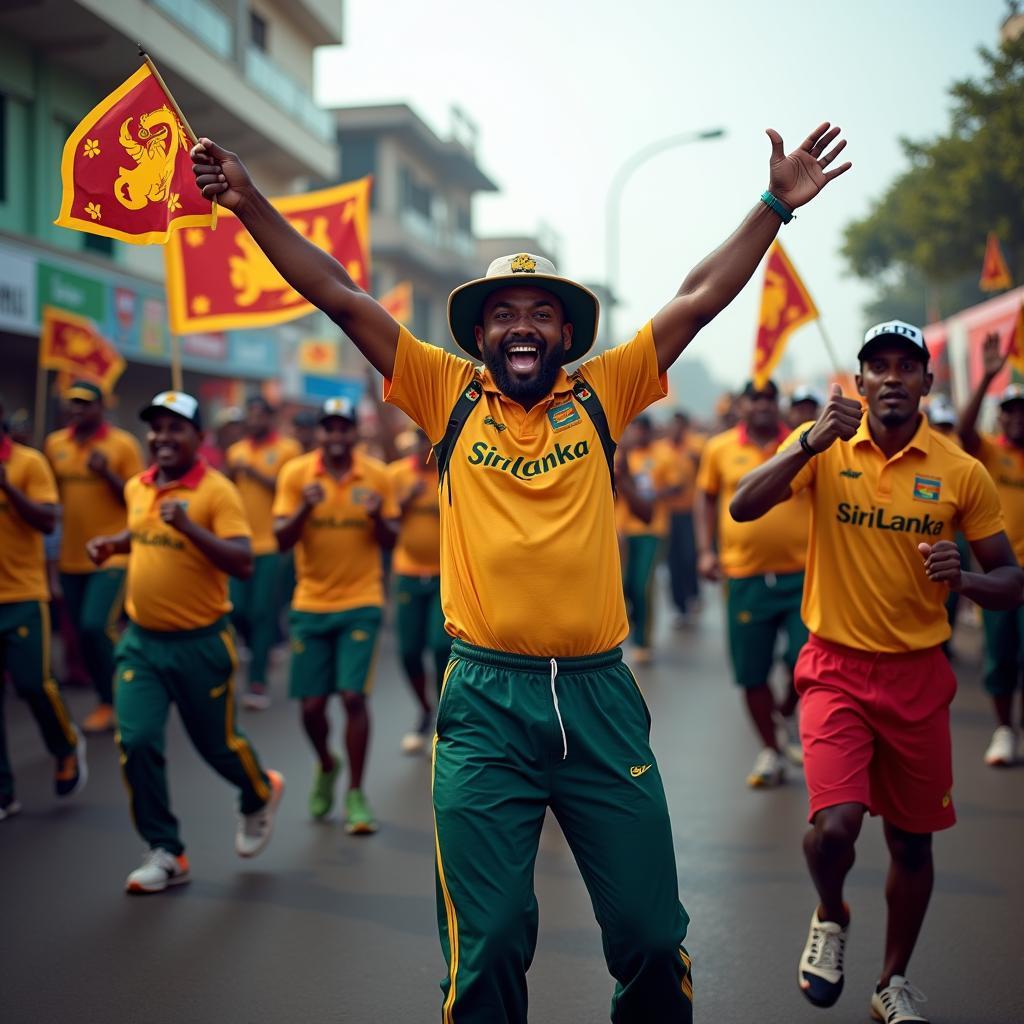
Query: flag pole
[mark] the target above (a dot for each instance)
(828, 345)
(177, 383)
(39, 429)
(181, 117)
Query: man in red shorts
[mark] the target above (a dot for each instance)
(875, 686)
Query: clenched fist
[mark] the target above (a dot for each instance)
(942, 563)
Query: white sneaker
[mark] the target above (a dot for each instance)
(788, 731)
(820, 974)
(894, 1004)
(416, 741)
(160, 868)
(256, 700)
(254, 830)
(769, 770)
(9, 809)
(1002, 749)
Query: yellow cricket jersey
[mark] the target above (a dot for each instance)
(866, 585)
(1005, 464)
(529, 555)
(685, 457)
(171, 584)
(777, 542)
(89, 507)
(22, 557)
(267, 457)
(418, 551)
(337, 558)
(653, 469)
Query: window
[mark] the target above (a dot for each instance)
(416, 196)
(258, 30)
(358, 159)
(463, 220)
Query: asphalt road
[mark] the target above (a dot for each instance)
(324, 927)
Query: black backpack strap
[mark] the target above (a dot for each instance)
(587, 397)
(456, 421)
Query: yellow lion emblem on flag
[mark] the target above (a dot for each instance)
(154, 149)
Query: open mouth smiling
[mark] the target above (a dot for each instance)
(523, 356)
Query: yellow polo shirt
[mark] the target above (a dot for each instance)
(418, 551)
(653, 469)
(866, 585)
(1005, 464)
(22, 556)
(529, 554)
(337, 558)
(89, 507)
(267, 457)
(685, 458)
(172, 585)
(777, 542)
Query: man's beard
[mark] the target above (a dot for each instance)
(894, 418)
(526, 392)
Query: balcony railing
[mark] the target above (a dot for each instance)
(210, 25)
(287, 93)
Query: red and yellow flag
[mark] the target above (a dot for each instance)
(1016, 354)
(221, 280)
(318, 356)
(72, 343)
(995, 274)
(398, 302)
(785, 306)
(126, 170)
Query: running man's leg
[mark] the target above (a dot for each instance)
(490, 794)
(1002, 666)
(98, 616)
(262, 615)
(142, 702)
(438, 638)
(677, 560)
(609, 799)
(908, 889)
(311, 682)
(355, 654)
(412, 609)
(640, 563)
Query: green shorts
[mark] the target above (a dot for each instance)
(1004, 650)
(332, 652)
(759, 607)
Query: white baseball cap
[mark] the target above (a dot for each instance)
(898, 330)
(178, 402)
(941, 414)
(1011, 393)
(805, 393)
(344, 408)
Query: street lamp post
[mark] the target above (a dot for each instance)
(622, 175)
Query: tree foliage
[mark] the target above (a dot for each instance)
(924, 239)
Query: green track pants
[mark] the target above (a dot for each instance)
(419, 625)
(515, 736)
(195, 670)
(638, 585)
(94, 601)
(256, 607)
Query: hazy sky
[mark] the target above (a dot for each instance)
(564, 91)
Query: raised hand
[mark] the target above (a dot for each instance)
(942, 563)
(992, 360)
(839, 420)
(220, 174)
(798, 177)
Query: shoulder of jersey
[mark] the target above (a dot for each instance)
(950, 449)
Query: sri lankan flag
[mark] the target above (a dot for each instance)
(126, 170)
(72, 344)
(398, 302)
(785, 306)
(995, 274)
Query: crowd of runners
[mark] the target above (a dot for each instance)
(841, 529)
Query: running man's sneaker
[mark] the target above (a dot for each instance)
(72, 770)
(821, 965)
(642, 656)
(788, 732)
(9, 808)
(100, 719)
(254, 830)
(894, 1004)
(358, 816)
(418, 739)
(321, 796)
(769, 770)
(159, 869)
(256, 698)
(1002, 750)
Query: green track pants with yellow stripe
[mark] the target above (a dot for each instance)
(195, 670)
(94, 601)
(515, 736)
(25, 654)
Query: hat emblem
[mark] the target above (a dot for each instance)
(524, 264)
(170, 398)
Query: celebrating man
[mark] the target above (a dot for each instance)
(874, 684)
(537, 709)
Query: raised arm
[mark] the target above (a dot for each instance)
(316, 275)
(794, 180)
(763, 488)
(992, 361)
